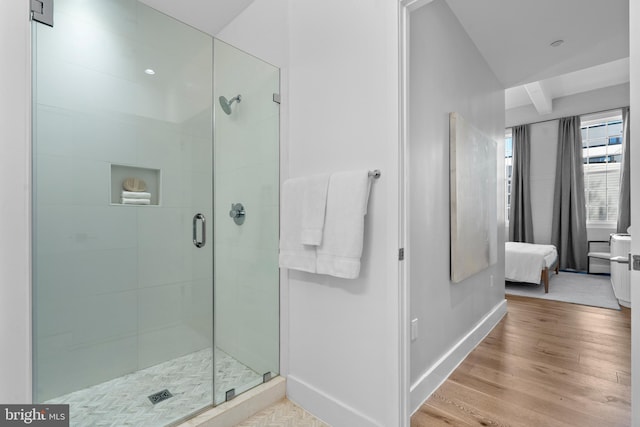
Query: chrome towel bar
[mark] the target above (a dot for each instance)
(375, 174)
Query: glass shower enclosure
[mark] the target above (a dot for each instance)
(155, 216)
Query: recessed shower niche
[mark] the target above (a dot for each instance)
(126, 299)
(135, 186)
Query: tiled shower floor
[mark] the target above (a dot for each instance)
(124, 401)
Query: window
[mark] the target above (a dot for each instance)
(508, 168)
(602, 154)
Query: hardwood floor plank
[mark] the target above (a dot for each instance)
(565, 332)
(613, 317)
(454, 410)
(547, 363)
(596, 389)
(560, 307)
(572, 329)
(539, 399)
(496, 407)
(564, 402)
(624, 378)
(430, 416)
(549, 359)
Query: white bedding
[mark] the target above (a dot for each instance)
(523, 262)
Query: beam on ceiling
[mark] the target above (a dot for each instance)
(540, 97)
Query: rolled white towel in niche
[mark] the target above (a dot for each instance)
(129, 201)
(136, 195)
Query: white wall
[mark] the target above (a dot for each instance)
(447, 74)
(15, 224)
(343, 337)
(262, 29)
(339, 95)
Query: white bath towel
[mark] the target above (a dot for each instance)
(314, 202)
(136, 195)
(128, 201)
(293, 254)
(342, 241)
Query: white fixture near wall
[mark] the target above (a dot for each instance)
(620, 248)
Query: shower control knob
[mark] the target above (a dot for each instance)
(237, 213)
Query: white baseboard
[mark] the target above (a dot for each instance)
(325, 407)
(440, 371)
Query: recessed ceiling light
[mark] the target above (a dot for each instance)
(149, 71)
(556, 43)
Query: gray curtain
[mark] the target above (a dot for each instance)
(520, 221)
(569, 224)
(624, 203)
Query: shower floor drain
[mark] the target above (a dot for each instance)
(160, 396)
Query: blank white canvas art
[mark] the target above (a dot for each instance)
(474, 217)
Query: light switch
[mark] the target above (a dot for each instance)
(414, 329)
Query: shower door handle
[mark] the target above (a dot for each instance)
(196, 242)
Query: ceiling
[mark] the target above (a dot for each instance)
(209, 16)
(514, 37)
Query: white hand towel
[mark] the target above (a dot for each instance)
(293, 254)
(135, 195)
(314, 202)
(342, 241)
(127, 201)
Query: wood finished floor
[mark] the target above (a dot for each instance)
(547, 363)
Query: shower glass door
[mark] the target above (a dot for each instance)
(122, 297)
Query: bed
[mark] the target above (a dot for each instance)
(530, 263)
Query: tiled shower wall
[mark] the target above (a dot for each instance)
(118, 288)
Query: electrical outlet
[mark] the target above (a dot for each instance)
(636, 262)
(414, 329)
(491, 280)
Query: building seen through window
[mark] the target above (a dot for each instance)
(602, 156)
(508, 168)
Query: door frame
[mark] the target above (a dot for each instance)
(15, 217)
(634, 54)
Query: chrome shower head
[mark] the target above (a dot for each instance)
(226, 104)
